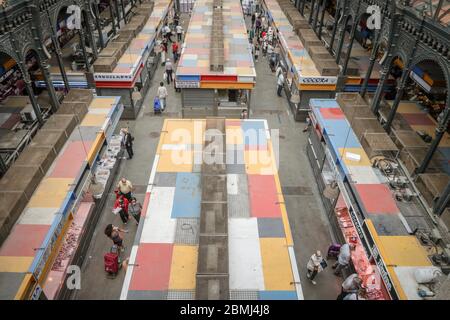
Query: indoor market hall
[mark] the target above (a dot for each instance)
(224, 150)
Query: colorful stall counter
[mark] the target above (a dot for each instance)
(305, 70)
(193, 69)
(125, 73)
(163, 262)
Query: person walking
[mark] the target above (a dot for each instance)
(253, 19)
(135, 208)
(264, 47)
(115, 234)
(280, 83)
(167, 32)
(128, 142)
(162, 95)
(175, 51)
(343, 258)
(179, 30)
(125, 187)
(257, 25)
(169, 71)
(121, 207)
(351, 284)
(176, 19)
(314, 266)
(256, 52)
(251, 35)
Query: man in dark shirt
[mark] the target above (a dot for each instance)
(128, 143)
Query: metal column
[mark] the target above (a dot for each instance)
(440, 131)
(375, 48)
(58, 52)
(303, 8)
(333, 34)
(25, 75)
(116, 6)
(113, 20)
(97, 24)
(122, 5)
(42, 58)
(316, 15)
(322, 17)
(442, 202)
(90, 32)
(311, 11)
(352, 39)
(341, 39)
(403, 79)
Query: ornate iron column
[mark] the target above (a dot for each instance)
(375, 48)
(316, 15)
(442, 202)
(87, 22)
(403, 79)
(23, 69)
(333, 34)
(341, 38)
(393, 35)
(57, 51)
(97, 24)
(352, 39)
(311, 11)
(322, 17)
(342, 33)
(122, 5)
(43, 60)
(302, 11)
(440, 131)
(116, 6)
(113, 20)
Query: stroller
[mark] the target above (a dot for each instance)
(157, 106)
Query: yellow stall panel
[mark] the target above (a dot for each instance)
(184, 268)
(276, 264)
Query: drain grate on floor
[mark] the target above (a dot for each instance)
(187, 231)
(244, 295)
(297, 191)
(154, 135)
(181, 295)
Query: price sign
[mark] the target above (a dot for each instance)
(187, 84)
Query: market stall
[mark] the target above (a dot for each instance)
(348, 180)
(412, 118)
(57, 208)
(164, 256)
(128, 63)
(223, 92)
(304, 80)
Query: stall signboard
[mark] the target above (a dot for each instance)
(187, 84)
(317, 80)
(113, 76)
(380, 263)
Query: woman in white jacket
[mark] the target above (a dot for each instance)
(314, 266)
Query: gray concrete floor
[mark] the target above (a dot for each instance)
(309, 224)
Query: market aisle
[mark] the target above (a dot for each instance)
(146, 130)
(309, 224)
